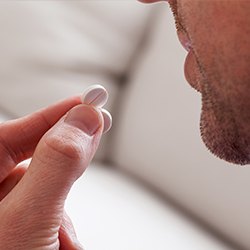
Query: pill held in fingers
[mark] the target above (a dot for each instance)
(107, 119)
(95, 95)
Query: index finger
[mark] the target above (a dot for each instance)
(18, 138)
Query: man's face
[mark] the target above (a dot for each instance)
(217, 35)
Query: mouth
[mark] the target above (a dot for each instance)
(184, 40)
(191, 69)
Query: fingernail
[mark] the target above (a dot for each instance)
(85, 118)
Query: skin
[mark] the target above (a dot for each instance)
(32, 195)
(217, 35)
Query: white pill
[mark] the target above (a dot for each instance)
(107, 118)
(95, 95)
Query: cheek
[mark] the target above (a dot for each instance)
(220, 35)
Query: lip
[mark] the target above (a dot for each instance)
(191, 71)
(184, 40)
(190, 66)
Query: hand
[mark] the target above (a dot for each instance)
(32, 197)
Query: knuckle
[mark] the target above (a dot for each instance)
(66, 146)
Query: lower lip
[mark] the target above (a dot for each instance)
(191, 70)
(191, 66)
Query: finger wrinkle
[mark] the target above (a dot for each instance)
(6, 150)
(8, 157)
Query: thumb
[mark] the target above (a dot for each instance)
(61, 156)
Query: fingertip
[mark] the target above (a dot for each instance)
(86, 118)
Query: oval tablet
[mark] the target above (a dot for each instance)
(95, 95)
(107, 118)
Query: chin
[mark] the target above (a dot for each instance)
(223, 140)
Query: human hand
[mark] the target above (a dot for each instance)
(32, 197)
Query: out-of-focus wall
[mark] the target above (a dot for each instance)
(54, 49)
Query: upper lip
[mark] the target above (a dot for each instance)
(184, 39)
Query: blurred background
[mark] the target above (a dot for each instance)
(152, 184)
